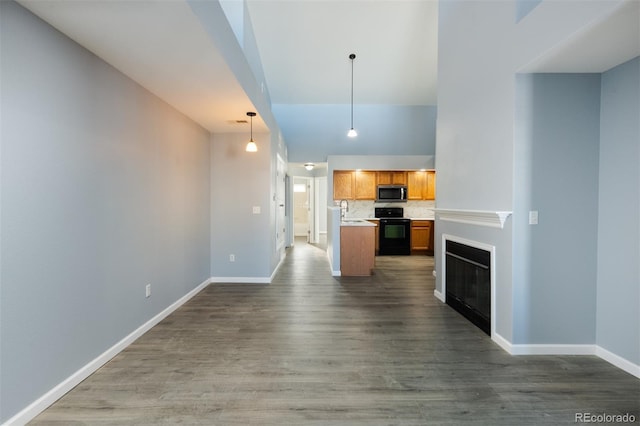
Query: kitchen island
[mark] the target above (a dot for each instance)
(357, 247)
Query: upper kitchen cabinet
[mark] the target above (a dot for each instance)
(431, 185)
(362, 184)
(392, 177)
(343, 185)
(421, 185)
(354, 185)
(365, 185)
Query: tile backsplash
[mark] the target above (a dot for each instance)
(412, 209)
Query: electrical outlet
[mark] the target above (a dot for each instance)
(232, 258)
(147, 290)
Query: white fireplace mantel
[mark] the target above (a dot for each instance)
(493, 219)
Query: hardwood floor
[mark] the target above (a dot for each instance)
(311, 349)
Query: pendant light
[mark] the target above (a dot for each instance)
(251, 145)
(352, 133)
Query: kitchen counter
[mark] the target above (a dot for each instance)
(356, 222)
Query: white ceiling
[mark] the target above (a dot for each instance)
(304, 47)
(596, 49)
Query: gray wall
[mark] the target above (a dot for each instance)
(480, 49)
(556, 163)
(239, 181)
(618, 313)
(105, 188)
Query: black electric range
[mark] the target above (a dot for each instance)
(394, 232)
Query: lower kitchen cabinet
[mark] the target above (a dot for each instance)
(357, 253)
(422, 237)
(377, 223)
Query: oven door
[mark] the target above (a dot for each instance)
(395, 237)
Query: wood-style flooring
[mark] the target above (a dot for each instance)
(312, 349)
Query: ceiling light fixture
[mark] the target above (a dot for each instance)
(352, 133)
(251, 145)
(309, 166)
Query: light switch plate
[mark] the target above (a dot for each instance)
(256, 209)
(533, 217)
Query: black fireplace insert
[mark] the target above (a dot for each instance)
(468, 282)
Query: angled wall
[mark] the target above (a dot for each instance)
(618, 277)
(556, 174)
(105, 188)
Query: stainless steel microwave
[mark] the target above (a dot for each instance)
(391, 194)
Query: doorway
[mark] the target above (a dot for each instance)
(309, 208)
(302, 207)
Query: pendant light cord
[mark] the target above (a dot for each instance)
(352, 57)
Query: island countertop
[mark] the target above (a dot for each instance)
(356, 222)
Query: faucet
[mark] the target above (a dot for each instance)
(344, 208)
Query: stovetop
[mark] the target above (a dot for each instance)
(389, 212)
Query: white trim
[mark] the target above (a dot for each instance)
(439, 296)
(493, 219)
(552, 349)
(618, 361)
(559, 349)
(39, 405)
(487, 247)
(502, 342)
(283, 255)
(241, 280)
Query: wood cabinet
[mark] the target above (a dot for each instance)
(392, 177)
(421, 185)
(365, 185)
(422, 237)
(354, 185)
(362, 185)
(416, 182)
(377, 233)
(357, 250)
(430, 193)
(343, 185)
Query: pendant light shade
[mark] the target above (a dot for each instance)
(251, 145)
(352, 132)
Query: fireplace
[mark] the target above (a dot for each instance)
(468, 282)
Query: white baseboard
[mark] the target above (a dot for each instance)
(502, 342)
(618, 361)
(553, 349)
(439, 296)
(241, 280)
(40, 404)
(250, 280)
